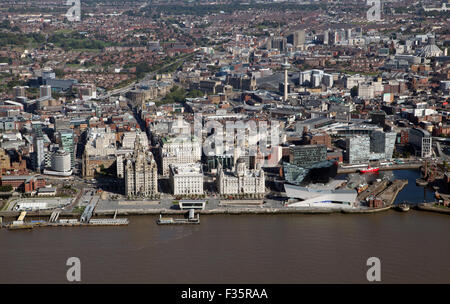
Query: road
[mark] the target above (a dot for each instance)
(148, 77)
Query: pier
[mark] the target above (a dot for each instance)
(190, 220)
(389, 194)
(55, 221)
(433, 207)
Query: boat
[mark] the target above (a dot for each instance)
(370, 170)
(421, 182)
(165, 221)
(404, 207)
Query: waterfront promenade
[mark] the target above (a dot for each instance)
(408, 166)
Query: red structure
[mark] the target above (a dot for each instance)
(26, 183)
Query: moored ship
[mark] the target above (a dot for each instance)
(370, 170)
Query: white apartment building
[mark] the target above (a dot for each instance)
(186, 179)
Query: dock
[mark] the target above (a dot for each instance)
(55, 221)
(390, 193)
(190, 220)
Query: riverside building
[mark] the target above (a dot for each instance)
(241, 180)
(178, 150)
(186, 179)
(141, 173)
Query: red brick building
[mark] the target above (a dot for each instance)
(25, 183)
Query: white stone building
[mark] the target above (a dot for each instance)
(366, 91)
(141, 173)
(129, 139)
(186, 179)
(100, 142)
(241, 181)
(179, 150)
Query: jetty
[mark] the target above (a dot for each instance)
(55, 221)
(433, 207)
(390, 193)
(190, 220)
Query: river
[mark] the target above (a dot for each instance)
(413, 248)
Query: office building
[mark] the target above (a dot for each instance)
(297, 38)
(241, 181)
(186, 179)
(141, 172)
(19, 91)
(307, 154)
(67, 144)
(39, 151)
(178, 150)
(61, 161)
(421, 141)
(45, 91)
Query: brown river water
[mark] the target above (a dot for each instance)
(413, 247)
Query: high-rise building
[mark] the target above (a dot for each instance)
(366, 91)
(422, 141)
(328, 80)
(61, 161)
(297, 38)
(67, 144)
(326, 37)
(19, 91)
(39, 151)
(358, 148)
(376, 146)
(141, 172)
(278, 43)
(307, 154)
(45, 91)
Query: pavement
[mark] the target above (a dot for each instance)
(51, 202)
(167, 203)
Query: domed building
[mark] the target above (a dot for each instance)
(241, 180)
